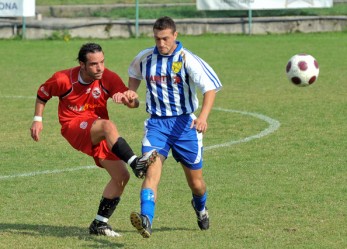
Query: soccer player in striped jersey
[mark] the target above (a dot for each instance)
(83, 92)
(173, 75)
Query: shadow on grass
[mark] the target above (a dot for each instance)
(59, 232)
(71, 231)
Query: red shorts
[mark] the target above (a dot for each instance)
(77, 133)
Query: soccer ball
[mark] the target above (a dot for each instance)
(302, 70)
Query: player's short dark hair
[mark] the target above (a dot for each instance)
(164, 22)
(88, 48)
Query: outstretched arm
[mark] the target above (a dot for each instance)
(130, 97)
(36, 126)
(133, 84)
(201, 122)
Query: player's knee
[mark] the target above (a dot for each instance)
(125, 177)
(122, 178)
(198, 186)
(108, 126)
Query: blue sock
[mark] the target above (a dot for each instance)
(200, 201)
(147, 203)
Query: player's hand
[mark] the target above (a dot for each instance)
(119, 98)
(131, 95)
(35, 130)
(125, 98)
(200, 125)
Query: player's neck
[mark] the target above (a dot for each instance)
(82, 79)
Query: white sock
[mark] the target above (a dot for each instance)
(132, 159)
(202, 212)
(101, 218)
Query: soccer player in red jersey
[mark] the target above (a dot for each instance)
(83, 92)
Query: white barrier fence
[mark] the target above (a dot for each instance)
(261, 4)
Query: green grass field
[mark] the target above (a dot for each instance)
(286, 189)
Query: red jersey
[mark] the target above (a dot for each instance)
(80, 100)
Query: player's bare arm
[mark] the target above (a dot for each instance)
(201, 122)
(133, 84)
(37, 126)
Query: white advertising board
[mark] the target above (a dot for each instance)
(10, 8)
(261, 4)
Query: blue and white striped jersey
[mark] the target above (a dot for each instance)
(172, 80)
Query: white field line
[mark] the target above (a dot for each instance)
(273, 126)
(17, 97)
(45, 172)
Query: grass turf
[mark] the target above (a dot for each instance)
(283, 190)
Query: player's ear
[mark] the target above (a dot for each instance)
(82, 64)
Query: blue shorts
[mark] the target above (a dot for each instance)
(165, 133)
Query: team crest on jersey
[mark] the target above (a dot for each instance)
(83, 125)
(176, 66)
(96, 92)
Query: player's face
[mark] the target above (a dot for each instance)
(94, 67)
(165, 41)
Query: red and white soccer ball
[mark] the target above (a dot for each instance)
(302, 70)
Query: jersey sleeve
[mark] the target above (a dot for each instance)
(201, 73)
(134, 70)
(113, 82)
(57, 85)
